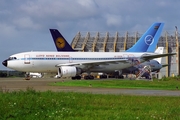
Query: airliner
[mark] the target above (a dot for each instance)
(154, 64)
(73, 64)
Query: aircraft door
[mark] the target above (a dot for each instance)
(26, 59)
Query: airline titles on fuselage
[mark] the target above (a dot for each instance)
(41, 55)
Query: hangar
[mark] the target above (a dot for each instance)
(117, 42)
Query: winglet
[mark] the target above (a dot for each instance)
(149, 40)
(60, 42)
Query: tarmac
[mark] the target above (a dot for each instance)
(43, 84)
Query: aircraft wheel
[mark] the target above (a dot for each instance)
(76, 78)
(86, 77)
(89, 77)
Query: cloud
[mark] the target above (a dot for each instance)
(61, 10)
(7, 31)
(113, 20)
(28, 22)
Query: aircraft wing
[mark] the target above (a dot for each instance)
(93, 63)
(149, 57)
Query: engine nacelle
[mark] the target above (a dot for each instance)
(68, 71)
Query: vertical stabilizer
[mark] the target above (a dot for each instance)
(149, 40)
(60, 42)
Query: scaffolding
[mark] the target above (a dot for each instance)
(104, 42)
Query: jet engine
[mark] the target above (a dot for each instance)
(69, 71)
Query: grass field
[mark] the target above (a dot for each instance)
(163, 84)
(34, 105)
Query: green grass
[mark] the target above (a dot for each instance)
(164, 84)
(34, 105)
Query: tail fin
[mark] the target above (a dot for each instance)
(60, 42)
(159, 50)
(149, 40)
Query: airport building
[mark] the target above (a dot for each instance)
(118, 42)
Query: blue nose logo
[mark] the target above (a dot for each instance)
(149, 39)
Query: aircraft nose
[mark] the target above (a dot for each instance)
(4, 63)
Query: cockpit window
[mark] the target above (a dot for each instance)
(12, 58)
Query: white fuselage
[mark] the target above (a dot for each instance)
(48, 61)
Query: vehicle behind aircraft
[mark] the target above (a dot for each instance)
(36, 75)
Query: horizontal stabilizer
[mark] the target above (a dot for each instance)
(150, 57)
(165, 65)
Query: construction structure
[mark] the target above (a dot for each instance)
(116, 42)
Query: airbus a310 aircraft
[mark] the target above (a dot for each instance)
(154, 65)
(73, 64)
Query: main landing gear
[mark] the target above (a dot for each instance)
(78, 77)
(88, 77)
(119, 77)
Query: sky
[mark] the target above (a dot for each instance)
(25, 24)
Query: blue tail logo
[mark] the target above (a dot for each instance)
(60, 42)
(149, 40)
